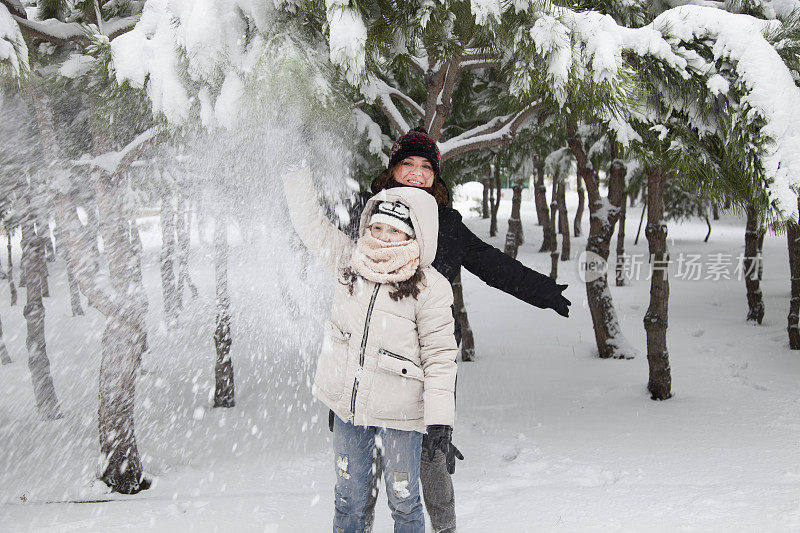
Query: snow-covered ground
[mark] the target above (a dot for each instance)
(554, 438)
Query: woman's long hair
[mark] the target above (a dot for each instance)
(409, 287)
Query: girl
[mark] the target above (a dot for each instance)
(387, 366)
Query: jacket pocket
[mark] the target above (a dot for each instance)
(332, 364)
(397, 388)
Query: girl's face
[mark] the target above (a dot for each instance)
(387, 233)
(414, 171)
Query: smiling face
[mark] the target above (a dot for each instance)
(414, 171)
(387, 233)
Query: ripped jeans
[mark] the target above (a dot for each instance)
(354, 462)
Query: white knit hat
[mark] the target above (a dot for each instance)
(395, 214)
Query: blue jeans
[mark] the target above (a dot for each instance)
(354, 462)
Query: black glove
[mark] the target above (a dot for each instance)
(440, 437)
(559, 303)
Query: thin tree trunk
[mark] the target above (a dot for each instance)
(496, 202)
(467, 338)
(182, 228)
(656, 317)
(224, 394)
(548, 222)
(641, 219)
(708, 223)
(752, 283)
(563, 221)
(514, 236)
(487, 184)
(42, 265)
(5, 359)
(793, 326)
(74, 291)
(49, 249)
(715, 212)
(540, 195)
(603, 214)
(551, 230)
(620, 266)
(12, 288)
(580, 180)
(38, 363)
(168, 278)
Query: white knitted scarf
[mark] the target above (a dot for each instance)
(385, 262)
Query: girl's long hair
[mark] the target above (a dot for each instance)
(409, 287)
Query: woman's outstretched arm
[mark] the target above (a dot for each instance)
(320, 236)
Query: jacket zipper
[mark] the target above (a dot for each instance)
(391, 354)
(363, 349)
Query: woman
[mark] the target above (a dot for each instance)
(415, 161)
(387, 367)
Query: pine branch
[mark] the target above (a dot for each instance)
(496, 132)
(117, 162)
(15, 7)
(60, 33)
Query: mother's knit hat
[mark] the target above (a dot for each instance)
(416, 142)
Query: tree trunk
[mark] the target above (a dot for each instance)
(708, 234)
(124, 337)
(38, 363)
(123, 305)
(655, 319)
(74, 291)
(224, 394)
(620, 266)
(540, 196)
(550, 228)
(793, 327)
(752, 283)
(548, 222)
(467, 338)
(49, 249)
(514, 236)
(182, 228)
(580, 180)
(603, 214)
(41, 266)
(487, 184)
(168, 278)
(715, 212)
(11, 287)
(4, 357)
(496, 201)
(563, 221)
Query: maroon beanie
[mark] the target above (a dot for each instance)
(416, 142)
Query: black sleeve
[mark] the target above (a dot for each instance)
(503, 272)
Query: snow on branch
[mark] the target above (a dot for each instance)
(13, 50)
(496, 132)
(117, 162)
(381, 92)
(769, 90)
(473, 59)
(347, 41)
(56, 32)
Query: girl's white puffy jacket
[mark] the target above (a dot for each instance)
(382, 363)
